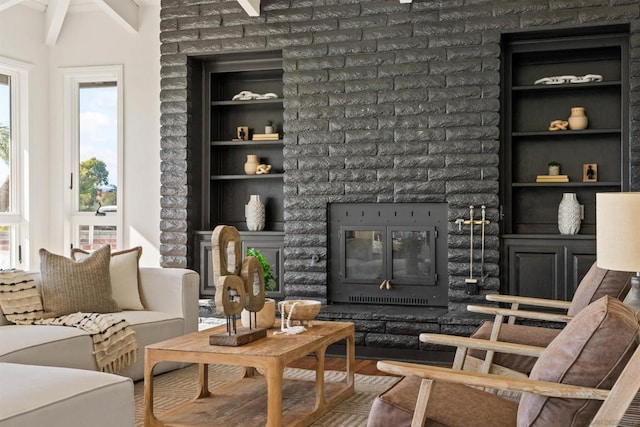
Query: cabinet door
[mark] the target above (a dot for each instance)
(204, 264)
(271, 246)
(580, 257)
(536, 269)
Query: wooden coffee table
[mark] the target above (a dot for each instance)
(254, 399)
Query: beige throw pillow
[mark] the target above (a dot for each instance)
(83, 286)
(125, 276)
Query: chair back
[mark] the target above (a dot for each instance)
(597, 283)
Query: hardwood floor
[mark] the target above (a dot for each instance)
(363, 366)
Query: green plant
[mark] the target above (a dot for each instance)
(269, 122)
(553, 163)
(269, 278)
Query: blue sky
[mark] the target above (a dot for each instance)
(99, 127)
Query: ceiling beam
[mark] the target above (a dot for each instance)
(54, 17)
(125, 12)
(252, 7)
(6, 4)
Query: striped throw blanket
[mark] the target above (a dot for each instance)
(114, 343)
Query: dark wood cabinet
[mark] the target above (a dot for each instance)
(547, 268)
(225, 188)
(538, 261)
(269, 243)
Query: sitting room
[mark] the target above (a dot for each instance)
(415, 170)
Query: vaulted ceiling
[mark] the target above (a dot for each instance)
(125, 12)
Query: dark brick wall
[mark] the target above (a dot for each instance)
(384, 102)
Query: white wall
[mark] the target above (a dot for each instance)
(92, 38)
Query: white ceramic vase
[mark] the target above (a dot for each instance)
(569, 214)
(255, 213)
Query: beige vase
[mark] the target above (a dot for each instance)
(578, 120)
(266, 316)
(251, 165)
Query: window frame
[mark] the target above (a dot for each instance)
(73, 77)
(17, 219)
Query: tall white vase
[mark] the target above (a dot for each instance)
(569, 212)
(254, 213)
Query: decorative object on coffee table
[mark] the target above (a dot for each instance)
(569, 213)
(590, 172)
(618, 244)
(254, 212)
(301, 310)
(230, 287)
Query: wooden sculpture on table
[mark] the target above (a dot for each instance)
(233, 291)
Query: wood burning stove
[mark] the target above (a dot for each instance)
(388, 253)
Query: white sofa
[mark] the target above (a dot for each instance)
(171, 298)
(51, 396)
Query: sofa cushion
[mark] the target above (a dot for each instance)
(449, 405)
(125, 276)
(72, 347)
(517, 334)
(597, 283)
(20, 298)
(39, 395)
(83, 286)
(591, 351)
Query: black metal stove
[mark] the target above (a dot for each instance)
(388, 253)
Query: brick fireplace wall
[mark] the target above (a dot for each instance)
(384, 102)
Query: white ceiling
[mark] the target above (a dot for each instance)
(125, 12)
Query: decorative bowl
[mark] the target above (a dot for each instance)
(302, 310)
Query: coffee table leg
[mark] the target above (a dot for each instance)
(149, 419)
(351, 360)
(203, 376)
(320, 378)
(274, 393)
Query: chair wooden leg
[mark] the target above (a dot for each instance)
(420, 414)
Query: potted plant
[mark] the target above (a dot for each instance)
(266, 317)
(554, 168)
(269, 278)
(269, 127)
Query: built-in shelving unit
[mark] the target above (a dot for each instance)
(537, 260)
(225, 187)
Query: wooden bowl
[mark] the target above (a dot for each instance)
(303, 309)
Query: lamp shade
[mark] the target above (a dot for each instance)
(618, 231)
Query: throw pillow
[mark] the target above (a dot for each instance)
(83, 286)
(19, 297)
(591, 351)
(125, 276)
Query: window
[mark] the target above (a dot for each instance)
(93, 108)
(13, 145)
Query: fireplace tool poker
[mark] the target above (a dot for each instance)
(471, 283)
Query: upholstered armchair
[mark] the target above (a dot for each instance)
(594, 359)
(596, 283)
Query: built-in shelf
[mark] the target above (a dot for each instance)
(251, 143)
(566, 184)
(263, 176)
(568, 86)
(566, 133)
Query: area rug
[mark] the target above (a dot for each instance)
(180, 386)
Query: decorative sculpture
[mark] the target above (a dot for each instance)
(239, 284)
